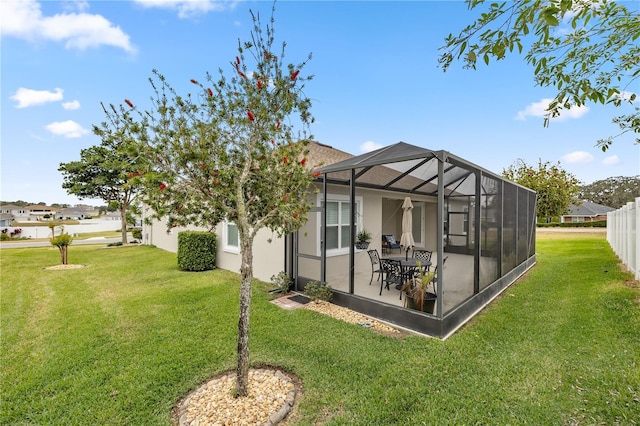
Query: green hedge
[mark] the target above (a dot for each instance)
(196, 250)
(136, 233)
(594, 224)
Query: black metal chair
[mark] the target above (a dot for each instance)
(375, 263)
(389, 244)
(423, 255)
(392, 270)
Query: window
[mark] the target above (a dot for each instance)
(338, 223)
(230, 240)
(417, 215)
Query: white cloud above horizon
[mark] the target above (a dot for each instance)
(69, 129)
(30, 97)
(188, 8)
(24, 19)
(611, 160)
(71, 105)
(577, 157)
(540, 109)
(369, 146)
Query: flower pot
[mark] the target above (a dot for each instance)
(363, 245)
(428, 306)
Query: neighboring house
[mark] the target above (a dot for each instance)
(586, 211)
(38, 212)
(481, 224)
(31, 213)
(6, 219)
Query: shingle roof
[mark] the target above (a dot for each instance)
(323, 155)
(587, 208)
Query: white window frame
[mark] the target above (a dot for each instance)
(337, 198)
(226, 247)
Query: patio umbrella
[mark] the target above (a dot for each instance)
(406, 240)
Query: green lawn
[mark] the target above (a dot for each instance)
(120, 341)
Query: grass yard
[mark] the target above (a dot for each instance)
(122, 340)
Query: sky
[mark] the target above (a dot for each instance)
(376, 82)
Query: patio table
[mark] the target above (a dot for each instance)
(409, 264)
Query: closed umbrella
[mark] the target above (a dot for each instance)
(406, 240)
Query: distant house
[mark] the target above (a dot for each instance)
(586, 211)
(31, 213)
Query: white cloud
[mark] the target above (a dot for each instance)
(611, 161)
(578, 157)
(68, 129)
(539, 109)
(29, 97)
(71, 105)
(189, 8)
(23, 19)
(369, 146)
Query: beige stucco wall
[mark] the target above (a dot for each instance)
(268, 257)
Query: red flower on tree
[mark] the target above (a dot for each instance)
(194, 81)
(285, 160)
(210, 92)
(250, 115)
(259, 84)
(295, 74)
(303, 161)
(316, 173)
(237, 60)
(162, 186)
(128, 102)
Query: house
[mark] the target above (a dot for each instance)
(586, 211)
(482, 225)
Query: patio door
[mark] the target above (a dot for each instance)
(459, 226)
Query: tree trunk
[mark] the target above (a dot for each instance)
(246, 273)
(123, 221)
(63, 254)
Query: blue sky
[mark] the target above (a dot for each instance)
(376, 82)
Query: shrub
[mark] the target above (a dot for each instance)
(318, 291)
(136, 233)
(281, 282)
(196, 250)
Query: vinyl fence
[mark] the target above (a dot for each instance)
(88, 225)
(623, 235)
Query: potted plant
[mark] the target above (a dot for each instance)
(362, 239)
(417, 294)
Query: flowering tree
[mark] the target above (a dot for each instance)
(229, 152)
(556, 189)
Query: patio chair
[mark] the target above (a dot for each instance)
(375, 263)
(392, 270)
(423, 255)
(389, 244)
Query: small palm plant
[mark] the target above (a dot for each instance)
(417, 290)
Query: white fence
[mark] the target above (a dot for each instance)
(88, 225)
(623, 235)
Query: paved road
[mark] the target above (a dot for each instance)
(26, 243)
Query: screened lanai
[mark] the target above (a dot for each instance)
(479, 227)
